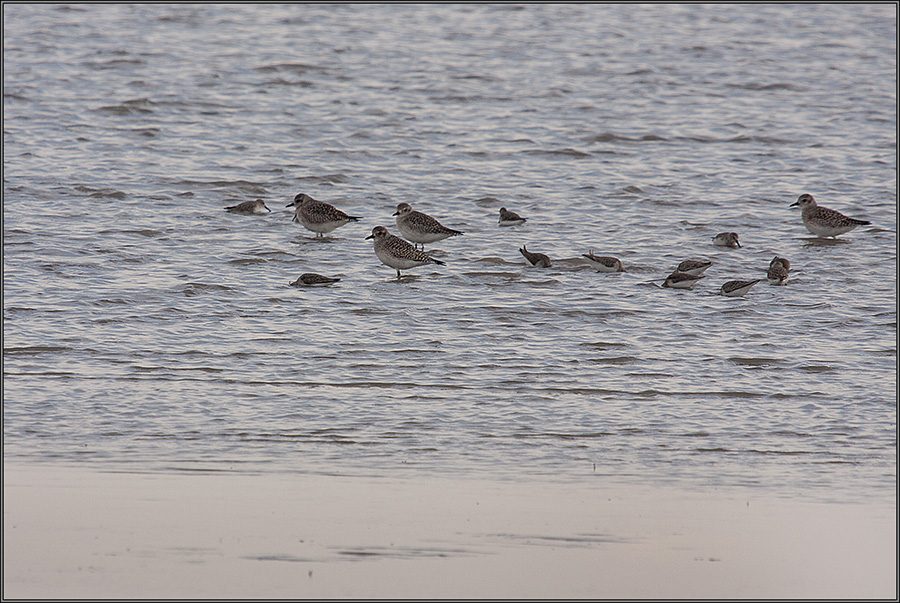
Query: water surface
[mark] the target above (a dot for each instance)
(146, 328)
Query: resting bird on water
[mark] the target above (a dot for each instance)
(778, 271)
(536, 259)
(682, 280)
(693, 267)
(311, 279)
(256, 208)
(737, 288)
(727, 239)
(604, 263)
(510, 218)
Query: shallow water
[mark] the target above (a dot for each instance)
(145, 327)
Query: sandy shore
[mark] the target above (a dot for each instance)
(80, 533)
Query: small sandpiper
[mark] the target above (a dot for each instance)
(421, 228)
(778, 271)
(318, 216)
(397, 253)
(824, 222)
(604, 263)
(682, 280)
(727, 239)
(737, 288)
(693, 267)
(254, 208)
(510, 218)
(311, 279)
(536, 259)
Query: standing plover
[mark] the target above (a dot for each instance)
(737, 288)
(311, 279)
(421, 228)
(397, 253)
(681, 280)
(318, 216)
(510, 218)
(536, 259)
(257, 208)
(778, 271)
(727, 239)
(603, 263)
(824, 222)
(693, 267)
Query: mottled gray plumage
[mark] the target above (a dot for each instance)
(780, 260)
(257, 208)
(727, 239)
(318, 216)
(604, 263)
(737, 288)
(397, 253)
(536, 259)
(510, 218)
(779, 268)
(693, 267)
(682, 280)
(824, 222)
(421, 228)
(311, 279)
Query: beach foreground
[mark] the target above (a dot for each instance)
(81, 533)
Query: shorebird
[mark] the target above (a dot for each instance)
(318, 216)
(397, 253)
(421, 228)
(727, 239)
(693, 267)
(256, 208)
(681, 280)
(824, 222)
(510, 218)
(311, 279)
(778, 271)
(536, 259)
(737, 288)
(603, 263)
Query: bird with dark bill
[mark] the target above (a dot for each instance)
(421, 228)
(824, 222)
(318, 216)
(250, 208)
(397, 253)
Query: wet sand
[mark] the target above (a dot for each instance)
(81, 533)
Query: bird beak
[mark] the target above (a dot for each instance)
(291, 204)
(396, 213)
(370, 237)
(794, 204)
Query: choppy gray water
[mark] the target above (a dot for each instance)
(146, 327)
